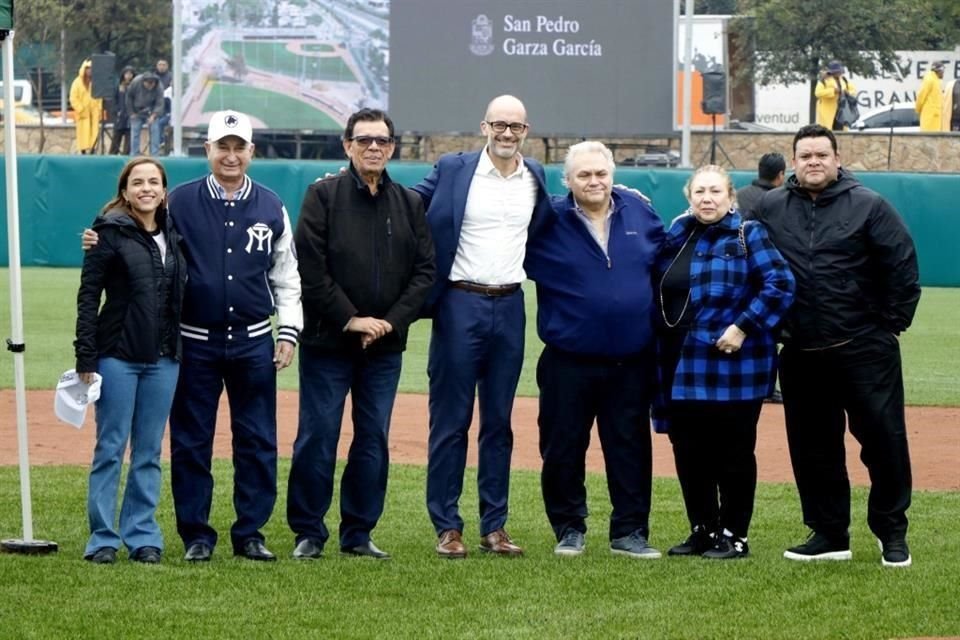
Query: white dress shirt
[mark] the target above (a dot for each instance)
(496, 218)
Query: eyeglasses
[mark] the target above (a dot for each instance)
(499, 126)
(366, 141)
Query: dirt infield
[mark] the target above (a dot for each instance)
(933, 433)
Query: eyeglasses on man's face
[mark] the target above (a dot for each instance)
(499, 126)
(366, 141)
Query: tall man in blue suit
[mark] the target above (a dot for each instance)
(480, 207)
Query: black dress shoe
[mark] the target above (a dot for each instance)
(198, 552)
(308, 549)
(367, 550)
(146, 555)
(254, 550)
(103, 555)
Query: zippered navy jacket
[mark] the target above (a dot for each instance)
(589, 303)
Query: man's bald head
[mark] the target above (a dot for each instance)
(504, 103)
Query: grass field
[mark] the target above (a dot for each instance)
(273, 57)
(931, 348)
(272, 108)
(416, 595)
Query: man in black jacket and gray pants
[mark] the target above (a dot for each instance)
(366, 266)
(857, 289)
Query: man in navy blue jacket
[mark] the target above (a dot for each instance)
(592, 261)
(242, 269)
(480, 206)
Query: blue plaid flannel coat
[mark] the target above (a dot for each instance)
(752, 289)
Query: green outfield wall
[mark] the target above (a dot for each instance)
(59, 196)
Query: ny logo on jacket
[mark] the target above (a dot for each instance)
(261, 233)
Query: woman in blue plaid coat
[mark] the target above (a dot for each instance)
(723, 288)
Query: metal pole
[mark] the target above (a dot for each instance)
(15, 342)
(686, 141)
(63, 70)
(175, 110)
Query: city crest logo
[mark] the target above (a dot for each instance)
(481, 43)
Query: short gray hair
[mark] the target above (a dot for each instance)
(587, 146)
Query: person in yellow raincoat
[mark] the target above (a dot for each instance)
(930, 98)
(828, 91)
(87, 110)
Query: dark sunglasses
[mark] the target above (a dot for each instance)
(366, 141)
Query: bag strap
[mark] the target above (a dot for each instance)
(743, 240)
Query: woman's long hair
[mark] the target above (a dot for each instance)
(123, 76)
(119, 203)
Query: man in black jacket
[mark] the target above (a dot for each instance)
(857, 289)
(770, 175)
(366, 268)
(771, 172)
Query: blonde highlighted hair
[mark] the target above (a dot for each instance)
(711, 168)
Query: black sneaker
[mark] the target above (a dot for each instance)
(896, 553)
(820, 547)
(699, 541)
(728, 548)
(103, 555)
(146, 555)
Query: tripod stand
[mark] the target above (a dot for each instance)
(100, 146)
(714, 145)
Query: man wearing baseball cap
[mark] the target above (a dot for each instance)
(241, 268)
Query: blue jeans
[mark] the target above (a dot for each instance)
(134, 404)
(325, 380)
(156, 134)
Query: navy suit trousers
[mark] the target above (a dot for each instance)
(476, 348)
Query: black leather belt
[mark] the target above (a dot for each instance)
(492, 290)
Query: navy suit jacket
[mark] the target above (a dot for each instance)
(444, 194)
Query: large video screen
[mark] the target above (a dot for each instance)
(600, 67)
(603, 67)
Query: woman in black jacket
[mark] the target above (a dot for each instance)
(132, 341)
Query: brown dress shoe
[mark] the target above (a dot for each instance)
(500, 543)
(450, 545)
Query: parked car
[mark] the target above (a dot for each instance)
(901, 116)
(27, 115)
(22, 92)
